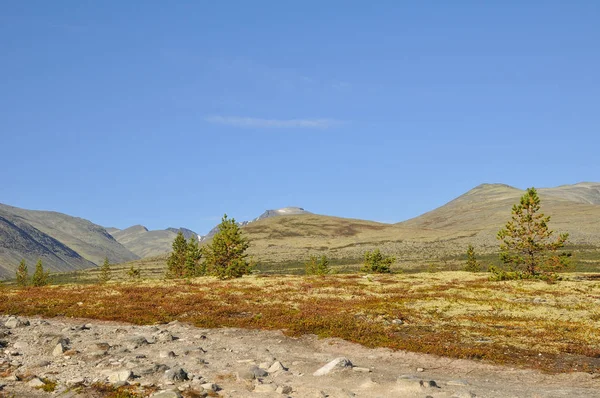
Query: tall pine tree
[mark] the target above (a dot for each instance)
(22, 275)
(105, 271)
(193, 266)
(40, 277)
(225, 257)
(177, 259)
(527, 243)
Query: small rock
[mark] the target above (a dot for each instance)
(276, 367)
(284, 390)
(166, 354)
(258, 372)
(359, 369)
(210, 387)
(14, 322)
(177, 374)
(35, 383)
(340, 362)
(135, 342)
(397, 322)
(429, 384)
(120, 376)
(165, 337)
(75, 381)
(42, 364)
(420, 370)
(59, 349)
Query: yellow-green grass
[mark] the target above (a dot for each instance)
(533, 324)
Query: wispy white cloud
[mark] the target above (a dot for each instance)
(274, 123)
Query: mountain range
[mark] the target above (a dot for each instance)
(66, 243)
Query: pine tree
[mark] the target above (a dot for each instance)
(225, 257)
(193, 266)
(472, 265)
(377, 262)
(177, 259)
(105, 271)
(22, 275)
(134, 273)
(526, 240)
(39, 277)
(317, 266)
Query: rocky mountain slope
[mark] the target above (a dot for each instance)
(63, 242)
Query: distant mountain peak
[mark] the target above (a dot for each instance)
(187, 233)
(284, 211)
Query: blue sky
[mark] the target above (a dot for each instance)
(173, 113)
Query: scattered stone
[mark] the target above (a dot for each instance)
(167, 354)
(420, 370)
(75, 381)
(276, 367)
(340, 362)
(164, 337)
(429, 384)
(210, 387)
(284, 390)
(35, 383)
(14, 322)
(177, 374)
(59, 349)
(359, 369)
(258, 372)
(397, 322)
(136, 342)
(120, 376)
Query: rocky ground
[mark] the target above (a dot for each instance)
(82, 358)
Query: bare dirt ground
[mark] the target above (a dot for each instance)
(93, 358)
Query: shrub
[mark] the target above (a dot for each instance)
(377, 263)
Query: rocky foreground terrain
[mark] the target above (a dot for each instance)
(83, 358)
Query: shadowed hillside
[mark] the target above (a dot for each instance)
(63, 242)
